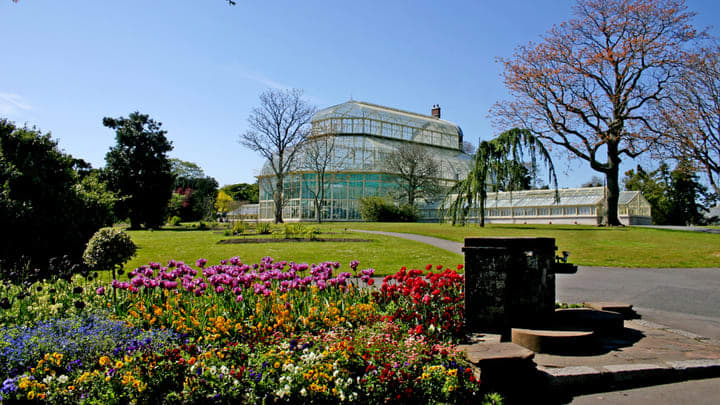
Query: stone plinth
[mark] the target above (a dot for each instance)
(508, 282)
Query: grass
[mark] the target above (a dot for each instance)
(385, 254)
(588, 245)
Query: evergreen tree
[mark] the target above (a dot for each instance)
(138, 168)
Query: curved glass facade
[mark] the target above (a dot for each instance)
(365, 135)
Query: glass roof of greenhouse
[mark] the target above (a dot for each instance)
(360, 109)
(546, 198)
(366, 154)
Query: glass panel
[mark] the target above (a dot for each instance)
(356, 176)
(557, 210)
(353, 210)
(570, 210)
(308, 209)
(371, 188)
(518, 212)
(325, 209)
(339, 191)
(308, 189)
(339, 210)
(292, 190)
(355, 190)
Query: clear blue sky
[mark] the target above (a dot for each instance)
(199, 66)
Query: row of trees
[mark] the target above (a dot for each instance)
(622, 78)
(51, 203)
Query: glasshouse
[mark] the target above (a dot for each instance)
(576, 206)
(363, 136)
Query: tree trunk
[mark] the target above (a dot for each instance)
(481, 214)
(613, 187)
(278, 198)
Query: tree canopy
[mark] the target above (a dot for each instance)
(692, 117)
(138, 168)
(47, 209)
(676, 197)
(276, 130)
(496, 163)
(592, 82)
(243, 192)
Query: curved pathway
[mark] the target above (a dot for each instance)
(455, 247)
(681, 298)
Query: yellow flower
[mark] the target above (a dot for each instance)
(119, 364)
(104, 360)
(31, 395)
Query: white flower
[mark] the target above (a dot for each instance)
(47, 380)
(63, 379)
(224, 370)
(303, 392)
(213, 370)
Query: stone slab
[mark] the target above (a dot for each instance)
(548, 341)
(483, 353)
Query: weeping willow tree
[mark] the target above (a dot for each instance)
(498, 161)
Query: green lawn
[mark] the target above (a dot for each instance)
(588, 245)
(385, 254)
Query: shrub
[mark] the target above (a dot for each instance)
(263, 228)
(202, 225)
(312, 232)
(45, 193)
(109, 248)
(407, 213)
(293, 230)
(174, 221)
(239, 228)
(379, 209)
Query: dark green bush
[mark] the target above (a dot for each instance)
(379, 209)
(50, 202)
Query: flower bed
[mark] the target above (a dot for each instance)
(233, 332)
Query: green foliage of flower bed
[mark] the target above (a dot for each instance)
(271, 332)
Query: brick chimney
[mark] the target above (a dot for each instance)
(436, 111)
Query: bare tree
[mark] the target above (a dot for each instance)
(590, 84)
(277, 128)
(692, 119)
(321, 154)
(416, 172)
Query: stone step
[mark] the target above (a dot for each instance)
(626, 310)
(552, 341)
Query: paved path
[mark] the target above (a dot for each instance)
(701, 392)
(686, 299)
(455, 247)
(682, 228)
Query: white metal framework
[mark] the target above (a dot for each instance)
(576, 206)
(365, 136)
